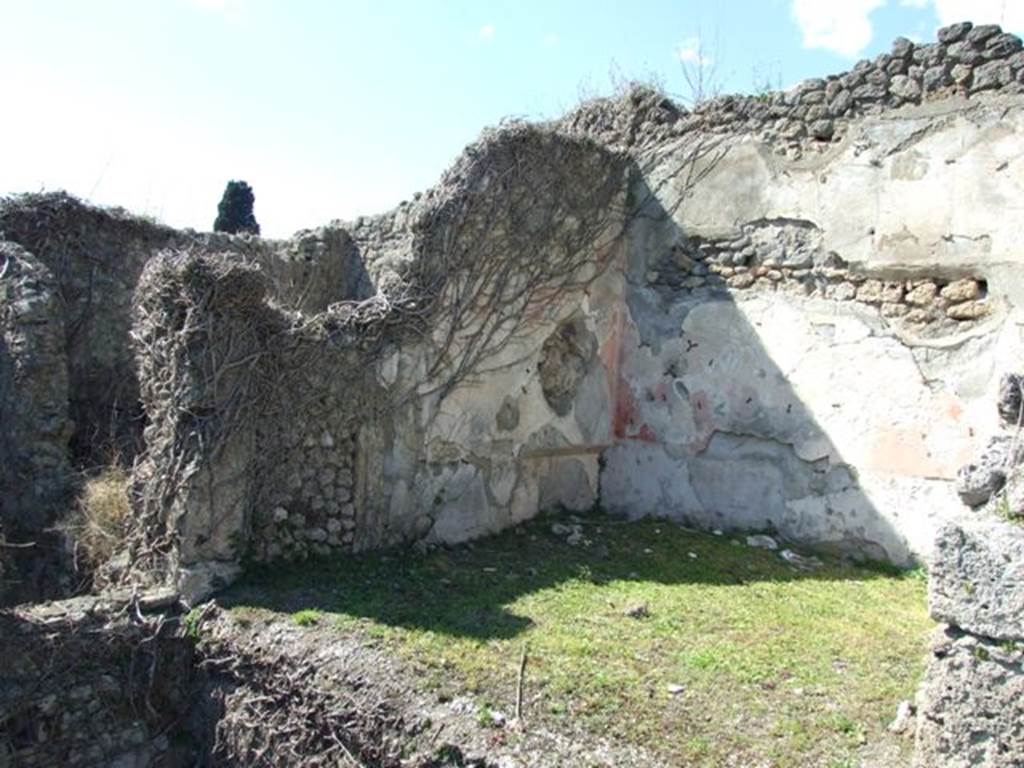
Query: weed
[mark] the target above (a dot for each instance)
(485, 718)
(191, 623)
(306, 618)
(98, 522)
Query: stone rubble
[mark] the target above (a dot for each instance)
(971, 703)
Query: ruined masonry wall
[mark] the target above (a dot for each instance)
(810, 346)
(33, 440)
(91, 682)
(723, 367)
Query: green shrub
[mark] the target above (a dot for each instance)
(234, 212)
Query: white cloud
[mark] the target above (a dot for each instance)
(487, 32)
(915, 3)
(842, 26)
(1007, 13)
(691, 51)
(231, 10)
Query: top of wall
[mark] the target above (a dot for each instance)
(967, 61)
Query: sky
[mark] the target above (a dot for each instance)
(338, 108)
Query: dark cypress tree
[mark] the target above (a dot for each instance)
(234, 212)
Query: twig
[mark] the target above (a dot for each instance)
(519, 684)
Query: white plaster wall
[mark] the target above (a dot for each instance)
(818, 418)
(455, 471)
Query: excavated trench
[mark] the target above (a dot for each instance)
(134, 682)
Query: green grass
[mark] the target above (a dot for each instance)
(307, 617)
(800, 669)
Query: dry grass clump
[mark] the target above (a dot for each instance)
(99, 521)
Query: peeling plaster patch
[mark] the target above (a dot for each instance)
(565, 358)
(508, 415)
(592, 406)
(909, 166)
(640, 479)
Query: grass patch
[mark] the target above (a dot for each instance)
(99, 520)
(734, 653)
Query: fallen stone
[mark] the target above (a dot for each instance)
(976, 579)
(639, 611)
(760, 541)
(904, 720)
(800, 562)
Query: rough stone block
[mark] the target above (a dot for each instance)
(982, 33)
(977, 578)
(905, 87)
(971, 704)
(954, 32)
(969, 310)
(936, 77)
(991, 75)
(978, 481)
(1002, 46)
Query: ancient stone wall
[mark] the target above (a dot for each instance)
(784, 313)
(70, 394)
(965, 62)
(97, 256)
(721, 364)
(94, 681)
(277, 433)
(35, 427)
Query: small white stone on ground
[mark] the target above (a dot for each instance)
(760, 541)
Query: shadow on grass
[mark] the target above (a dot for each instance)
(464, 591)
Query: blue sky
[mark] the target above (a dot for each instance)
(336, 109)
